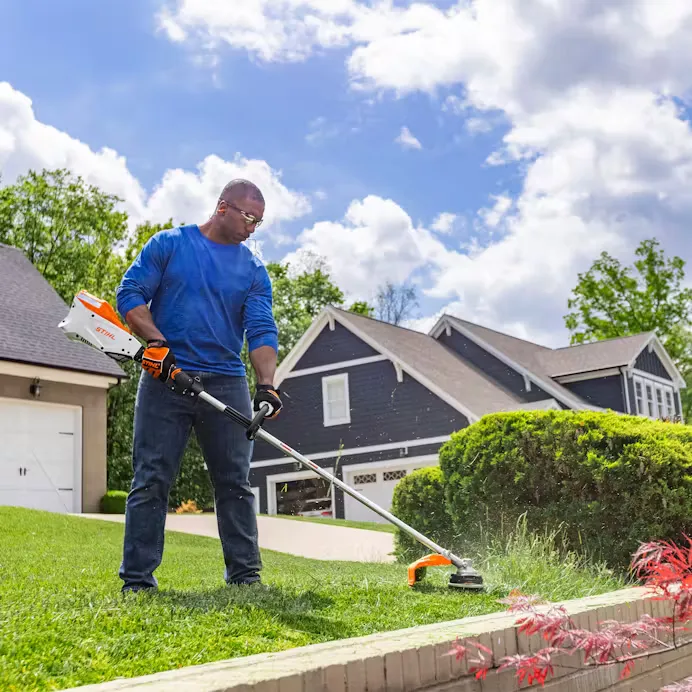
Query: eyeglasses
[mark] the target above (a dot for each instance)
(249, 218)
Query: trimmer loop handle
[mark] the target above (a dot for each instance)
(257, 421)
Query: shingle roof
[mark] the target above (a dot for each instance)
(30, 310)
(611, 353)
(433, 360)
(548, 362)
(532, 357)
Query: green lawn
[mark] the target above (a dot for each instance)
(369, 525)
(63, 622)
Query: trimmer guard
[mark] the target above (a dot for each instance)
(416, 570)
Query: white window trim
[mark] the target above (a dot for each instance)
(342, 377)
(657, 385)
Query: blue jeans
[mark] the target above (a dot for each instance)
(162, 425)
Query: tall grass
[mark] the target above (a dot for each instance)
(539, 563)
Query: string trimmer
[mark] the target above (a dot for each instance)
(94, 322)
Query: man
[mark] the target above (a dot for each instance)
(192, 294)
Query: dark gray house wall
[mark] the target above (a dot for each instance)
(651, 363)
(493, 367)
(382, 411)
(606, 392)
(334, 347)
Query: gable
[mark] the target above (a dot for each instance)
(334, 346)
(648, 361)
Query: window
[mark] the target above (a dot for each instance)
(335, 400)
(654, 399)
(639, 396)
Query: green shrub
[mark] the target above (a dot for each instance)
(612, 481)
(418, 500)
(113, 502)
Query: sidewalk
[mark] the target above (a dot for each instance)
(302, 538)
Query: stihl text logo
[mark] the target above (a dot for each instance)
(105, 332)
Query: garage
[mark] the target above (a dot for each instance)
(377, 481)
(40, 456)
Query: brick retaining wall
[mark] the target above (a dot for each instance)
(413, 660)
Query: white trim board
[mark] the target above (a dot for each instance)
(545, 385)
(404, 444)
(590, 375)
(388, 463)
(32, 372)
(334, 366)
(635, 372)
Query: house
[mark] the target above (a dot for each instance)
(371, 402)
(52, 398)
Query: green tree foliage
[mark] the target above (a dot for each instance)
(612, 481)
(67, 229)
(611, 300)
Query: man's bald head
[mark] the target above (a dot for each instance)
(240, 189)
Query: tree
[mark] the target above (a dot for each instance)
(66, 228)
(395, 303)
(613, 301)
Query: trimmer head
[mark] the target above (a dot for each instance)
(465, 578)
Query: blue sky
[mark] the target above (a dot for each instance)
(108, 74)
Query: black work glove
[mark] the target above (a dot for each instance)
(158, 360)
(265, 393)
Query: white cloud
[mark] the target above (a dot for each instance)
(408, 140)
(375, 242)
(444, 223)
(27, 143)
(186, 196)
(493, 216)
(585, 89)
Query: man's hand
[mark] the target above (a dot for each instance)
(158, 360)
(265, 393)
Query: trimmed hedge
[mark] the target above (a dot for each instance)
(113, 502)
(613, 481)
(419, 500)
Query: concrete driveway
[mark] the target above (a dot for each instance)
(302, 538)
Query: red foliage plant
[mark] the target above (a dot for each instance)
(661, 566)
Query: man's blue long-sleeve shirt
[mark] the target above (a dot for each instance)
(205, 297)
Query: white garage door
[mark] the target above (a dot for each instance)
(377, 484)
(40, 454)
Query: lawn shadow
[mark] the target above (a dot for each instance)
(297, 609)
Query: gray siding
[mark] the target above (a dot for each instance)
(606, 392)
(382, 411)
(502, 374)
(258, 476)
(334, 347)
(651, 363)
